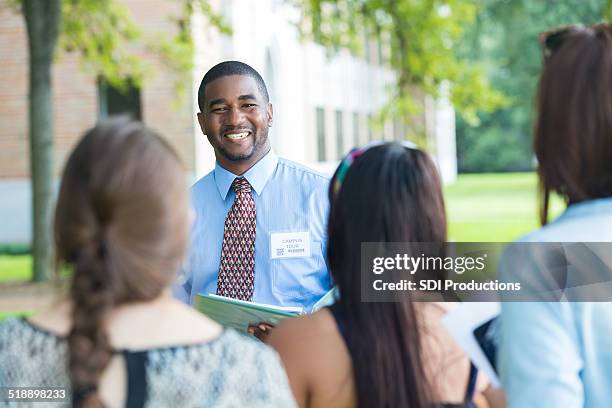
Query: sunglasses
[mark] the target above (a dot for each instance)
(550, 41)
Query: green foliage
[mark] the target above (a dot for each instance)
(105, 35)
(103, 32)
(504, 40)
(177, 51)
(608, 11)
(15, 249)
(492, 150)
(14, 5)
(422, 36)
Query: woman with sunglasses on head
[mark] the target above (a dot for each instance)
(120, 339)
(377, 354)
(559, 353)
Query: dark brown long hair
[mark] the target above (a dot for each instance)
(573, 128)
(390, 194)
(121, 224)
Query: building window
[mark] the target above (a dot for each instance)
(355, 129)
(114, 101)
(321, 134)
(339, 134)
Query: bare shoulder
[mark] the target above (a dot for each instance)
(158, 323)
(310, 344)
(303, 332)
(316, 360)
(55, 319)
(166, 323)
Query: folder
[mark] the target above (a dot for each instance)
(239, 314)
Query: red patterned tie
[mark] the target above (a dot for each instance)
(237, 269)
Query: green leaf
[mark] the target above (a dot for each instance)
(423, 35)
(112, 45)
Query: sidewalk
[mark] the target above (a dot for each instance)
(26, 296)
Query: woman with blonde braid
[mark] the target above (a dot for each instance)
(120, 339)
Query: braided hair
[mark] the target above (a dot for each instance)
(121, 225)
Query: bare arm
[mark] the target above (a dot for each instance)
(288, 343)
(495, 397)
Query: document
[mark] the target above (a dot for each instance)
(239, 314)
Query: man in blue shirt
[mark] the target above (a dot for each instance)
(260, 227)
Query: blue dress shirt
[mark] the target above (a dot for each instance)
(559, 354)
(288, 198)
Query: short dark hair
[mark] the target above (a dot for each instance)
(573, 126)
(227, 68)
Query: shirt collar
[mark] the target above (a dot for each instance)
(594, 207)
(257, 176)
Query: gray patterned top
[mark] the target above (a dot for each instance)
(228, 371)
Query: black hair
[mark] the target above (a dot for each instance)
(390, 194)
(227, 68)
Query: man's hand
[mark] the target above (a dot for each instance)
(261, 330)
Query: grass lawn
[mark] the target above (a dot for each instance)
(15, 268)
(4, 315)
(494, 207)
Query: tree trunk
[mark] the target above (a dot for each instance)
(42, 20)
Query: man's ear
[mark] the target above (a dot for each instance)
(269, 114)
(202, 121)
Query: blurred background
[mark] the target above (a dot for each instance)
(457, 77)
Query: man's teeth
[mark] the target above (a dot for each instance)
(236, 136)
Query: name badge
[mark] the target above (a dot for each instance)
(289, 245)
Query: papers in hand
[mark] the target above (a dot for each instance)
(239, 314)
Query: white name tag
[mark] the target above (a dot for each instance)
(289, 245)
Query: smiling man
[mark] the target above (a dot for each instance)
(260, 227)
